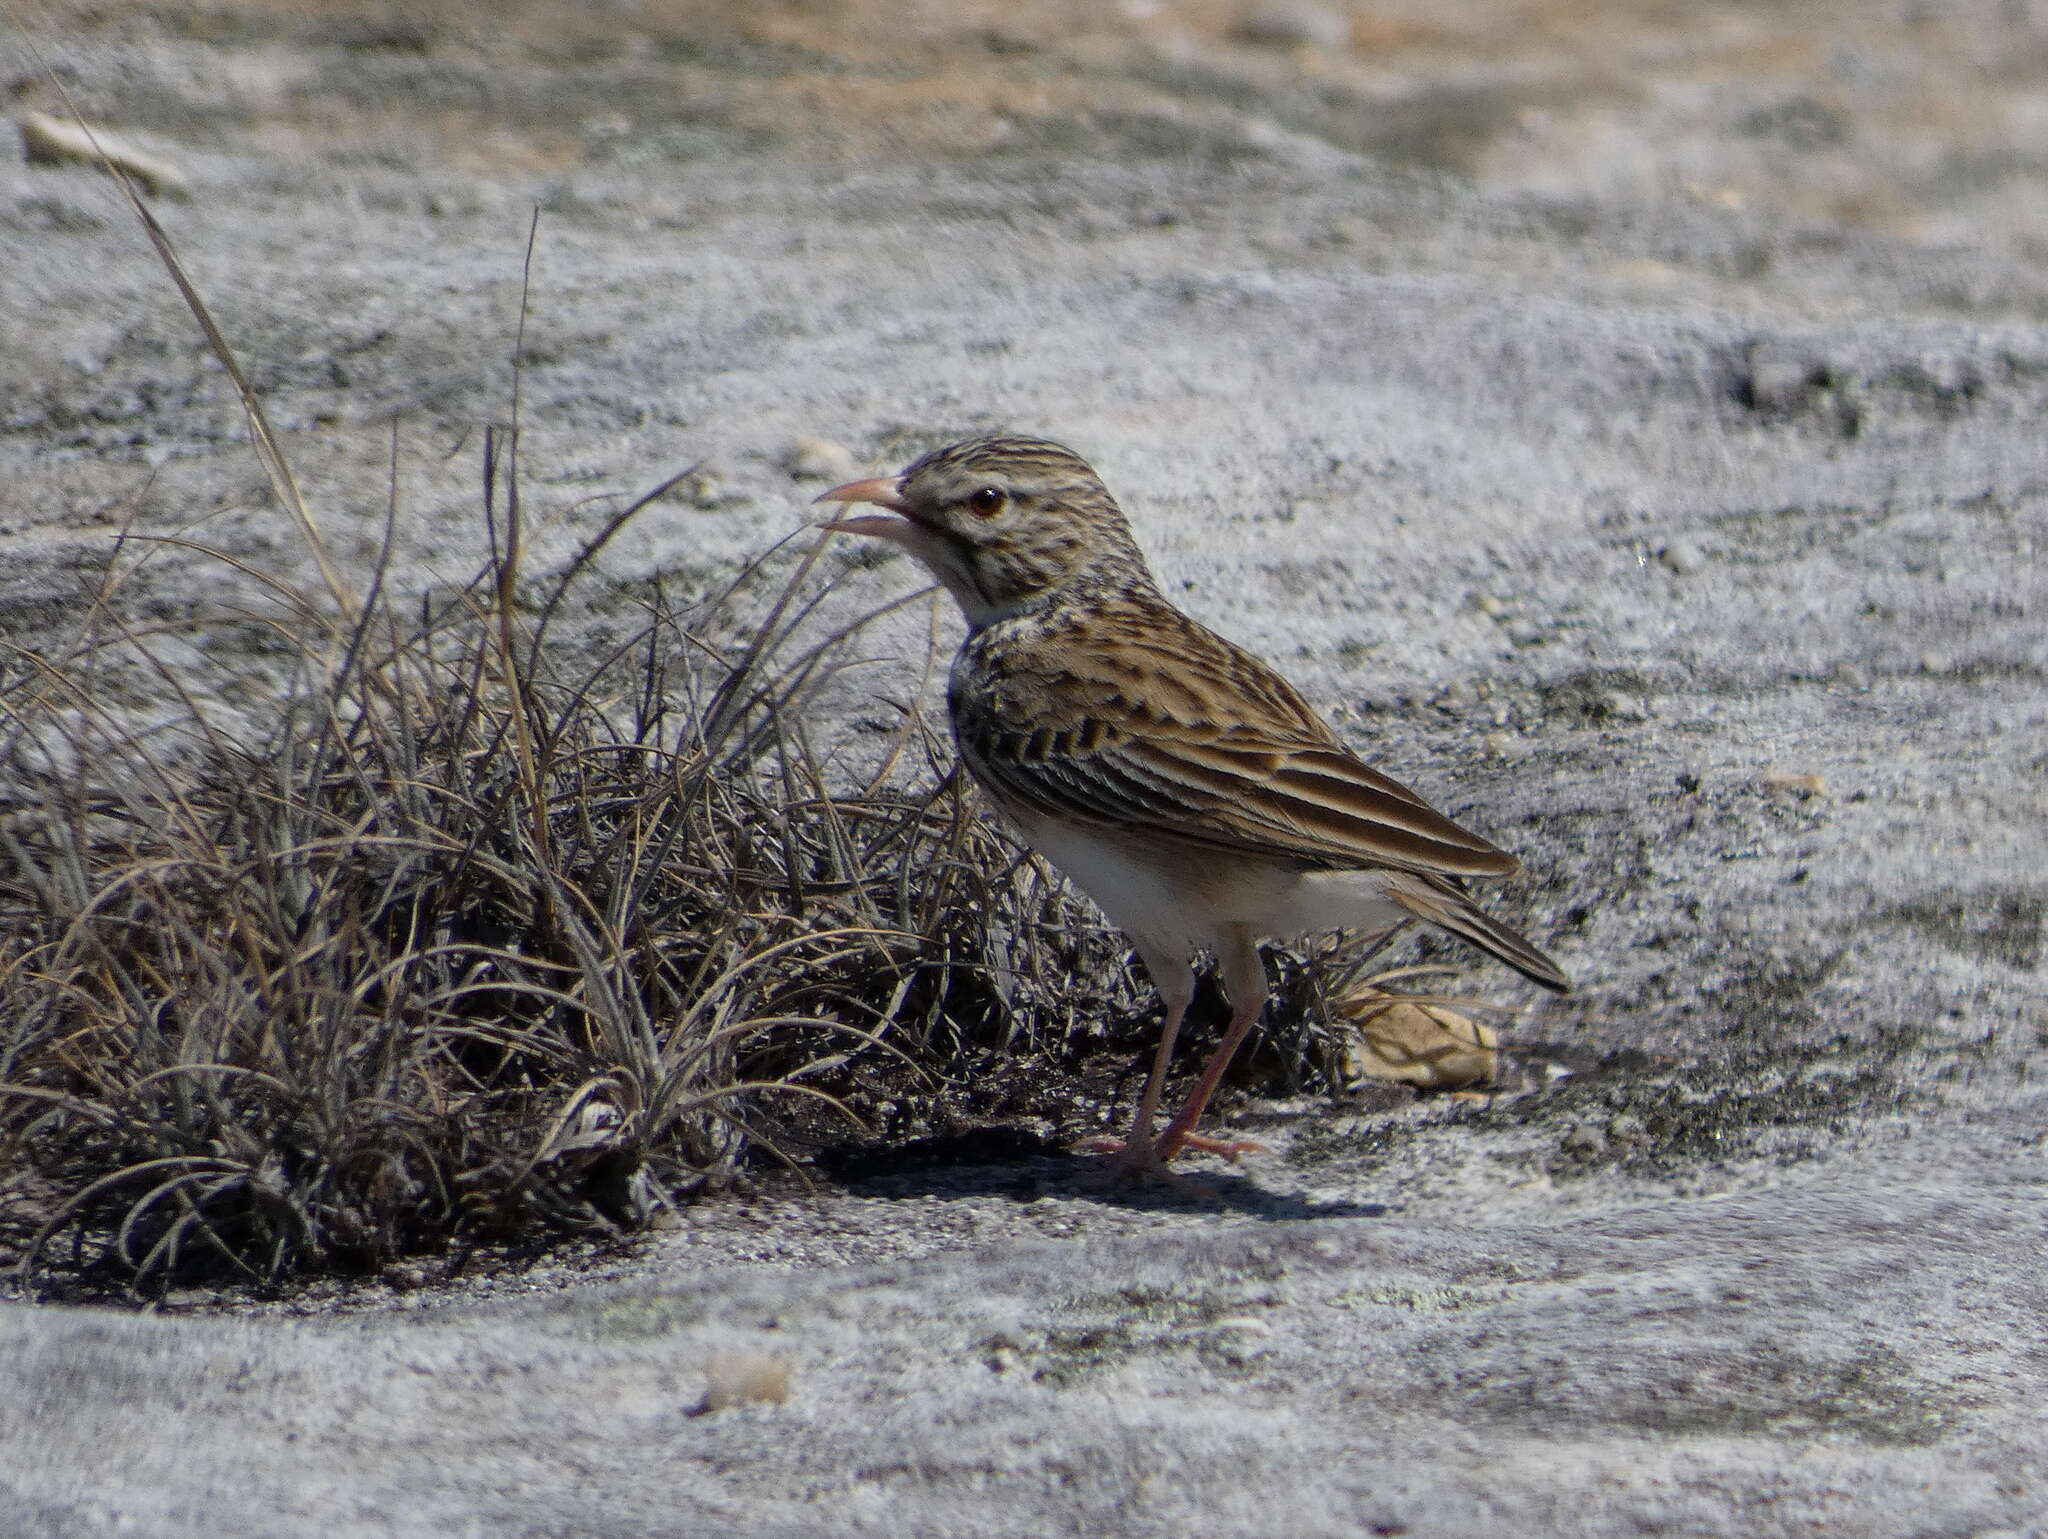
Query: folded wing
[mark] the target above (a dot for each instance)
(1169, 733)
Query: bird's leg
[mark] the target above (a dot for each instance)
(1244, 980)
(1135, 1155)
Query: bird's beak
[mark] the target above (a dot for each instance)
(882, 492)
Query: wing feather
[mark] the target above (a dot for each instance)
(1153, 726)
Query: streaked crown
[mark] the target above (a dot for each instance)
(1004, 521)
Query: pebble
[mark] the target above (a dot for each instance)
(1583, 1138)
(1683, 556)
(1297, 25)
(707, 490)
(1627, 1129)
(1779, 382)
(820, 459)
(743, 1378)
(1802, 782)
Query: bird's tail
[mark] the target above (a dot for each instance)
(1449, 909)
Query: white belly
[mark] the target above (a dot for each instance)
(1179, 903)
(1139, 895)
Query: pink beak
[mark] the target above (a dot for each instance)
(883, 492)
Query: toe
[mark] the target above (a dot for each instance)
(1201, 1143)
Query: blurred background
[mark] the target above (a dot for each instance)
(1917, 118)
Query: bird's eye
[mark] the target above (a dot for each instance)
(987, 502)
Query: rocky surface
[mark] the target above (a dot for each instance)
(1623, 418)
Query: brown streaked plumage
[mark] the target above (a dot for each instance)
(1177, 780)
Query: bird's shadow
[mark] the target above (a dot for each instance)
(1024, 1166)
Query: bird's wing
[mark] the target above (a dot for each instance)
(1155, 727)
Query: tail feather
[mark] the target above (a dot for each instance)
(1449, 909)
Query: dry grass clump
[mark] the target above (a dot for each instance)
(449, 943)
(436, 939)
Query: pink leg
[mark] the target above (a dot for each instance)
(1176, 984)
(1244, 980)
(1135, 1155)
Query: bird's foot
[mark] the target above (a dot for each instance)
(1145, 1159)
(1129, 1166)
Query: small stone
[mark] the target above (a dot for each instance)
(1583, 1138)
(706, 490)
(743, 1378)
(1487, 604)
(1297, 25)
(1683, 556)
(1800, 783)
(1778, 383)
(1498, 744)
(1933, 662)
(820, 459)
(1617, 706)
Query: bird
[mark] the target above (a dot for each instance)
(1179, 781)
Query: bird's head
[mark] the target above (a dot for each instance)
(1003, 522)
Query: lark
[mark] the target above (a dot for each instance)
(1178, 781)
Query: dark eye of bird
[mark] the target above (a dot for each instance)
(987, 502)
